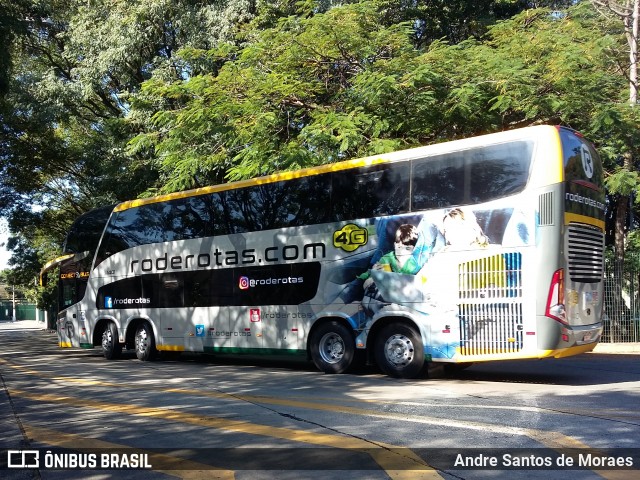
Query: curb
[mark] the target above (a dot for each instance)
(618, 348)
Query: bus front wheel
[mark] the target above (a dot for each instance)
(145, 343)
(399, 351)
(332, 347)
(111, 347)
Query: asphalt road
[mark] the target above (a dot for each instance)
(204, 417)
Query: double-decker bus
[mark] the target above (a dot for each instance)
(483, 249)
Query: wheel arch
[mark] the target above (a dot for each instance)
(381, 323)
(132, 327)
(321, 321)
(101, 324)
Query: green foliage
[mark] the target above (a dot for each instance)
(622, 181)
(114, 100)
(292, 97)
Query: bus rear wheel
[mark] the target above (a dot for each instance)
(111, 347)
(145, 343)
(399, 351)
(332, 347)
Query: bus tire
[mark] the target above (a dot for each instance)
(111, 347)
(145, 343)
(399, 351)
(332, 347)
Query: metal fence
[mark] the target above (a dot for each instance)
(24, 311)
(622, 300)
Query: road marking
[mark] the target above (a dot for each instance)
(184, 468)
(398, 463)
(551, 439)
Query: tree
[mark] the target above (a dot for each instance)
(71, 67)
(291, 97)
(624, 181)
(107, 100)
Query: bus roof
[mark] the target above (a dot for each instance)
(400, 155)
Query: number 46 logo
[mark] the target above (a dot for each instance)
(350, 237)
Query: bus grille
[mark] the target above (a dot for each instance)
(585, 252)
(490, 308)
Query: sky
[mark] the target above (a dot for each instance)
(4, 255)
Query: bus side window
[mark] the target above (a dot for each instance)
(470, 176)
(303, 198)
(187, 218)
(132, 227)
(500, 170)
(110, 243)
(270, 206)
(438, 182)
(370, 191)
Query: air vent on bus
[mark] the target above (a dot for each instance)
(545, 207)
(585, 246)
(490, 308)
(490, 329)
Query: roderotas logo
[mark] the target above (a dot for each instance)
(111, 302)
(245, 282)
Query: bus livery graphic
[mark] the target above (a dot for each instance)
(489, 248)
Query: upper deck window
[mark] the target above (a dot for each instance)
(471, 176)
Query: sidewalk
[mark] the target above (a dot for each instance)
(6, 325)
(624, 348)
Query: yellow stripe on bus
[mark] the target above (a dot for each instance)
(170, 348)
(576, 218)
(558, 353)
(276, 177)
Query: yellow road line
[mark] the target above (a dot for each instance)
(183, 468)
(550, 439)
(404, 465)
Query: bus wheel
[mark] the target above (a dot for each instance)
(145, 343)
(111, 347)
(332, 347)
(399, 351)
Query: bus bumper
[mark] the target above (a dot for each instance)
(565, 341)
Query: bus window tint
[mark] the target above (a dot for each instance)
(304, 198)
(499, 171)
(191, 218)
(268, 206)
(86, 231)
(581, 162)
(438, 182)
(470, 176)
(370, 191)
(178, 219)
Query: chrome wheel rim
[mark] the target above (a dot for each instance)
(332, 348)
(142, 340)
(107, 339)
(399, 350)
